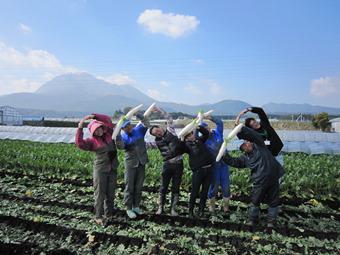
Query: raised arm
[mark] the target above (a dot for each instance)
(143, 125)
(239, 162)
(251, 136)
(169, 120)
(237, 120)
(219, 125)
(262, 115)
(204, 132)
(86, 144)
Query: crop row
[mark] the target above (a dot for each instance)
(204, 241)
(307, 176)
(292, 201)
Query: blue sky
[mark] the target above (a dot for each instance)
(182, 51)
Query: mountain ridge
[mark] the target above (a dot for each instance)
(82, 92)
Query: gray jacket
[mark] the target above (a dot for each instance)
(134, 145)
(264, 167)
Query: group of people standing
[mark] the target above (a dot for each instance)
(261, 150)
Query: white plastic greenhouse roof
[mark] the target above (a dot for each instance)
(335, 120)
(312, 142)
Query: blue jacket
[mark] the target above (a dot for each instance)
(215, 141)
(134, 145)
(138, 132)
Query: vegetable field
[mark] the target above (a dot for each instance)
(46, 208)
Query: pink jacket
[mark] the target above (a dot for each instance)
(94, 143)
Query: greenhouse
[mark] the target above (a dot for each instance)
(9, 116)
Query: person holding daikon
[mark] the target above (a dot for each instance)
(200, 161)
(220, 170)
(136, 157)
(267, 132)
(168, 143)
(265, 171)
(105, 163)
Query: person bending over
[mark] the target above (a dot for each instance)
(265, 170)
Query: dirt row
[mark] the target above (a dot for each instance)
(237, 242)
(78, 236)
(24, 248)
(285, 211)
(294, 201)
(185, 221)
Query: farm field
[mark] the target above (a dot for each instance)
(46, 207)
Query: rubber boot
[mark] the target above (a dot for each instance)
(212, 203)
(174, 201)
(161, 204)
(254, 212)
(191, 211)
(272, 215)
(201, 211)
(226, 204)
(131, 214)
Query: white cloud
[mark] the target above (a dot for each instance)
(24, 28)
(25, 71)
(168, 24)
(119, 79)
(215, 88)
(154, 93)
(325, 86)
(165, 84)
(193, 89)
(198, 61)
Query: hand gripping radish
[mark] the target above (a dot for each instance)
(193, 124)
(230, 136)
(118, 126)
(149, 110)
(123, 119)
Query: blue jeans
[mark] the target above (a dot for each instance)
(220, 178)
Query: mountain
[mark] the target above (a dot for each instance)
(225, 107)
(281, 109)
(79, 93)
(88, 87)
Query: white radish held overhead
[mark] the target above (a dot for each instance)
(124, 118)
(230, 136)
(193, 124)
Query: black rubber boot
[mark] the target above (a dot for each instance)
(272, 215)
(161, 204)
(191, 211)
(254, 212)
(174, 201)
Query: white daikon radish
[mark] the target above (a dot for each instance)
(193, 124)
(206, 114)
(149, 110)
(133, 111)
(118, 127)
(222, 150)
(187, 129)
(235, 131)
(200, 116)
